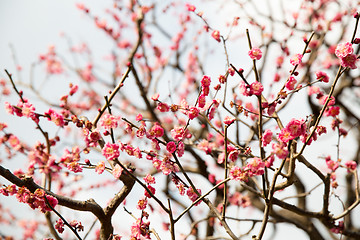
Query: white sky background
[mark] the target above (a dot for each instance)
(31, 26)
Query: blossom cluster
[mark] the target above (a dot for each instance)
(254, 167)
(34, 200)
(345, 52)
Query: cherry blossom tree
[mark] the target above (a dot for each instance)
(212, 120)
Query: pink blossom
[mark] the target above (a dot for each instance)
(3, 126)
(332, 111)
(279, 61)
(296, 127)
(171, 147)
(74, 167)
(245, 89)
(290, 84)
(100, 167)
(231, 71)
(73, 89)
(142, 203)
(256, 166)
(285, 135)
(116, 172)
(152, 190)
(344, 49)
(267, 137)
(140, 229)
(332, 165)
(236, 173)
(296, 59)
(149, 179)
(255, 53)
(180, 149)
(320, 130)
(216, 35)
(59, 226)
(349, 61)
(233, 155)
(229, 120)
(139, 117)
(313, 90)
(322, 76)
(190, 7)
(201, 101)
(163, 107)
(109, 121)
(27, 109)
(111, 151)
(155, 97)
(280, 150)
(193, 112)
(192, 195)
(256, 88)
(351, 165)
(177, 133)
(55, 117)
(156, 131)
(141, 130)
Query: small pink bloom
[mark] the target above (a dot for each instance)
(255, 53)
(285, 135)
(109, 121)
(100, 167)
(267, 137)
(229, 120)
(149, 179)
(216, 35)
(332, 165)
(155, 97)
(59, 226)
(193, 112)
(55, 117)
(142, 203)
(177, 133)
(201, 101)
(290, 84)
(157, 131)
(332, 111)
(231, 71)
(111, 151)
(344, 49)
(171, 147)
(152, 190)
(74, 167)
(322, 76)
(73, 89)
(233, 155)
(296, 128)
(205, 81)
(116, 172)
(139, 117)
(349, 61)
(296, 59)
(190, 7)
(256, 88)
(280, 150)
(256, 166)
(163, 107)
(192, 195)
(236, 173)
(351, 165)
(245, 89)
(180, 149)
(2, 126)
